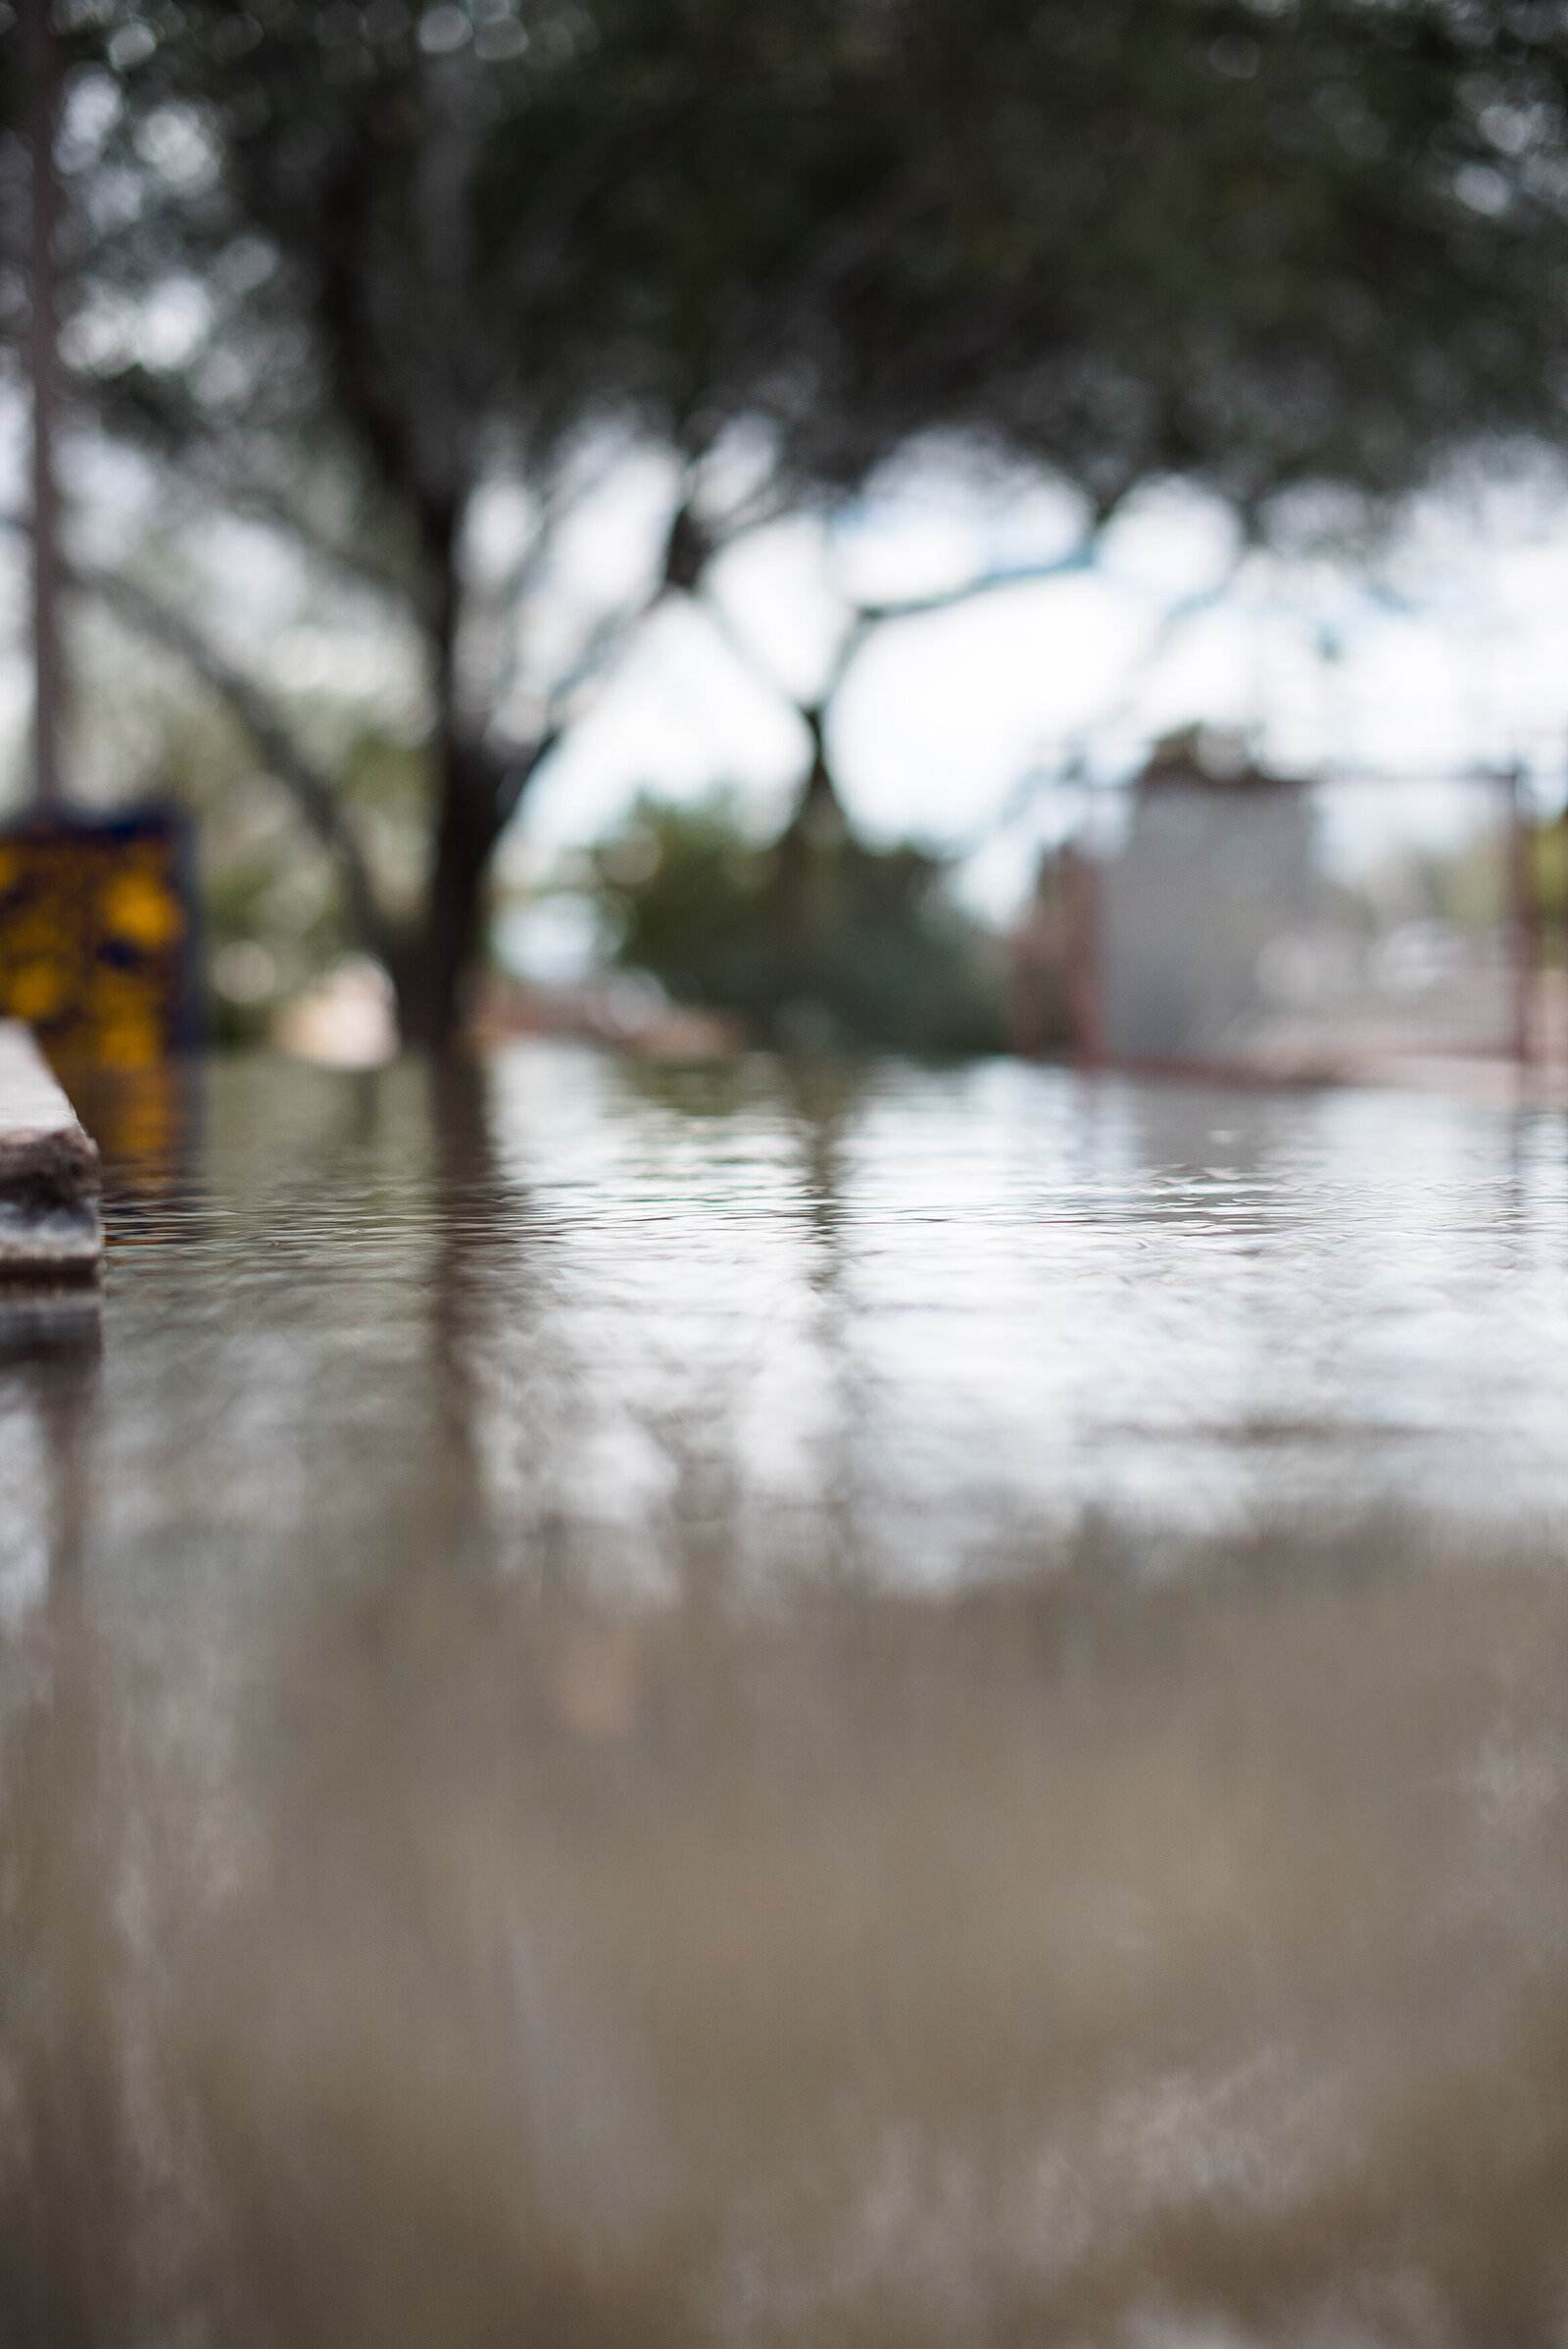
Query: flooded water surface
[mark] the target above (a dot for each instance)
(761, 1706)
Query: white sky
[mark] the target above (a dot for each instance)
(1451, 651)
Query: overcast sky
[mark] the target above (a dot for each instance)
(1448, 651)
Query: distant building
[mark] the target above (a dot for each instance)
(1218, 933)
(1217, 863)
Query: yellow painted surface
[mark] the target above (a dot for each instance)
(93, 925)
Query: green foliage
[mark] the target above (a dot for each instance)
(815, 944)
(1256, 243)
(1548, 868)
(1469, 886)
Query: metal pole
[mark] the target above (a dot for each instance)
(1522, 909)
(48, 675)
(1085, 976)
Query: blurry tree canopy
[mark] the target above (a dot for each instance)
(346, 267)
(816, 941)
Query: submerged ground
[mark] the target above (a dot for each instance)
(801, 1707)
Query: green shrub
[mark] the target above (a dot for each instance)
(816, 942)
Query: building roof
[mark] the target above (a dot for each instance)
(1208, 758)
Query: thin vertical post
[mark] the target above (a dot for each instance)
(1521, 922)
(1085, 978)
(48, 675)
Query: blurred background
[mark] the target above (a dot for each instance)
(756, 1649)
(666, 521)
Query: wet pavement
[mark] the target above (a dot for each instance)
(758, 1704)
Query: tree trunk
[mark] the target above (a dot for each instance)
(430, 983)
(430, 986)
(805, 852)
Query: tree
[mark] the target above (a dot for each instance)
(841, 945)
(1261, 246)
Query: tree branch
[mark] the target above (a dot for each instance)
(519, 766)
(223, 464)
(1180, 613)
(735, 642)
(255, 502)
(865, 618)
(342, 312)
(1078, 559)
(248, 705)
(519, 773)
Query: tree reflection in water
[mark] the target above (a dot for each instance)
(418, 1930)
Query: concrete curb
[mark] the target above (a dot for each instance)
(50, 1227)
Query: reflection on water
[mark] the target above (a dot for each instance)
(749, 1706)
